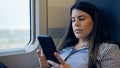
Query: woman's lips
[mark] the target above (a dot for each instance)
(78, 30)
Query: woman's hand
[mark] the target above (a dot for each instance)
(45, 64)
(42, 59)
(62, 64)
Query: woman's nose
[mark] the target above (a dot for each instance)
(77, 23)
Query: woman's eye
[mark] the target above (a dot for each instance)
(81, 18)
(73, 19)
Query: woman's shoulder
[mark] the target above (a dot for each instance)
(106, 48)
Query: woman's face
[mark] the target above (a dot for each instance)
(82, 24)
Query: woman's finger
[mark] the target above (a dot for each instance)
(59, 58)
(38, 53)
(42, 59)
(63, 63)
(54, 64)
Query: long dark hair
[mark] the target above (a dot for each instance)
(95, 38)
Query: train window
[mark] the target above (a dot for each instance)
(14, 23)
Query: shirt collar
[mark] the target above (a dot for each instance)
(84, 47)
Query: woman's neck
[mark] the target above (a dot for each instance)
(80, 44)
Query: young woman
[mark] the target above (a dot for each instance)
(85, 44)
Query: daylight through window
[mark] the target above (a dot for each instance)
(14, 23)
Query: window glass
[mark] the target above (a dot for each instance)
(14, 23)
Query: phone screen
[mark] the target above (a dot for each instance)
(48, 47)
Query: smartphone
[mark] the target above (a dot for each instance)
(48, 47)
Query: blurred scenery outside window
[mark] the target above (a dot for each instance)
(14, 23)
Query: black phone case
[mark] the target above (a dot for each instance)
(48, 47)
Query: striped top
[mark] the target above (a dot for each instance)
(108, 56)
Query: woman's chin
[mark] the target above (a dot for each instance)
(78, 36)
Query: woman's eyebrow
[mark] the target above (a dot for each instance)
(78, 16)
